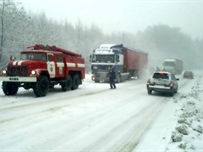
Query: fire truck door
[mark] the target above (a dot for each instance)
(51, 66)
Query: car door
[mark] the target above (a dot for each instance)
(51, 66)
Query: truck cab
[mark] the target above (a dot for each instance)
(103, 58)
(174, 66)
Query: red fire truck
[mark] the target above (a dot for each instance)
(41, 67)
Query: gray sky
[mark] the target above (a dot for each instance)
(124, 15)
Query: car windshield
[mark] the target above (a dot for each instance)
(160, 76)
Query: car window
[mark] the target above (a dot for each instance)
(188, 72)
(160, 76)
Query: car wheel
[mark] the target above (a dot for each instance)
(149, 91)
(172, 92)
(176, 90)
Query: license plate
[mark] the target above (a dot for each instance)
(159, 82)
(13, 79)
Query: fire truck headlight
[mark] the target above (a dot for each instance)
(4, 72)
(33, 72)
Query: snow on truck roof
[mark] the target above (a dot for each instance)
(109, 46)
(169, 60)
(106, 46)
(172, 60)
(53, 48)
(38, 51)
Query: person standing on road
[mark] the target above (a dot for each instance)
(112, 77)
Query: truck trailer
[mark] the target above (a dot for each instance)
(41, 67)
(174, 66)
(127, 62)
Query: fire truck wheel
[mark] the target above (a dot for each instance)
(51, 86)
(67, 85)
(10, 88)
(75, 82)
(41, 87)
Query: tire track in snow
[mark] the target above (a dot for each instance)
(133, 130)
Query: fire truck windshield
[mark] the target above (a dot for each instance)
(33, 56)
(103, 58)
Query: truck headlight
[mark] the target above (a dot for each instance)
(4, 72)
(93, 77)
(33, 72)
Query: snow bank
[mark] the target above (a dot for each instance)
(187, 135)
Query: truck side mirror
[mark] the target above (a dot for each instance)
(90, 59)
(117, 58)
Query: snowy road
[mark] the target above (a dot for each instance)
(92, 118)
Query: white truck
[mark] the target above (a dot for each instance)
(127, 62)
(174, 66)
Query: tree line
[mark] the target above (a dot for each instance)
(19, 29)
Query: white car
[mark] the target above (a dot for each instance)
(162, 81)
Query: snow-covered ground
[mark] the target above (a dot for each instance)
(186, 117)
(94, 119)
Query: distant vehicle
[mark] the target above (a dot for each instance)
(127, 62)
(174, 66)
(188, 74)
(162, 81)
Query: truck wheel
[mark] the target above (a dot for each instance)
(176, 91)
(41, 86)
(149, 91)
(118, 77)
(67, 85)
(10, 88)
(75, 82)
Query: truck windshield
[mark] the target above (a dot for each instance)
(169, 64)
(103, 58)
(33, 56)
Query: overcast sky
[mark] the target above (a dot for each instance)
(124, 15)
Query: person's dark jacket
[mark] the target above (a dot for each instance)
(112, 74)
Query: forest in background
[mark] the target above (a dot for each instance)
(19, 29)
